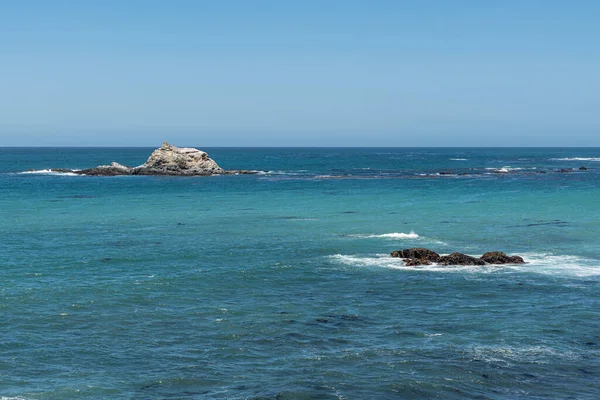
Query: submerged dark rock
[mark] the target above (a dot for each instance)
(582, 168)
(166, 160)
(421, 256)
(556, 222)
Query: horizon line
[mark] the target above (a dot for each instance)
(306, 147)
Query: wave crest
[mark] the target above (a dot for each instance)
(393, 235)
(47, 172)
(576, 159)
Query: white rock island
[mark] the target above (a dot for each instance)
(166, 160)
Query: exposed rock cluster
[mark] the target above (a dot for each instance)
(166, 160)
(171, 160)
(421, 256)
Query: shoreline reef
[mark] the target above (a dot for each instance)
(169, 160)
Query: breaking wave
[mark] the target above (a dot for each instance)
(505, 170)
(576, 159)
(552, 264)
(47, 172)
(386, 261)
(398, 236)
(393, 235)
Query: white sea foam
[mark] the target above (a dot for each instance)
(36, 171)
(577, 159)
(458, 159)
(386, 261)
(445, 174)
(300, 172)
(552, 264)
(505, 169)
(398, 236)
(511, 354)
(393, 235)
(48, 172)
(547, 264)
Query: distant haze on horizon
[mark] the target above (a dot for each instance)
(312, 73)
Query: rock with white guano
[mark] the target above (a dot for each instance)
(172, 160)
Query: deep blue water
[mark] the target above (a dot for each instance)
(279, 285)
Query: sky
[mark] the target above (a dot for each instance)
(300, 73)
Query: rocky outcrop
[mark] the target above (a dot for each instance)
(417, 256)
(171, 160)
(460, 259)
(113, 169)
(166, 160)
(420, 256)
(498, 257)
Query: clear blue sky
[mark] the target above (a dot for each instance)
(300, 73)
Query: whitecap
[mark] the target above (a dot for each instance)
(445, 174)
(36, 171)
(458, 159)
(504, 170)
(49, 172)
(398, 236)
(552, 264)
(576, 159)
(386, 261)
(381, 260)
(393, 235)
(282, 172)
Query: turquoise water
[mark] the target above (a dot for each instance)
(279, 285)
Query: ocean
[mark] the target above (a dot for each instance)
(279, 285)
